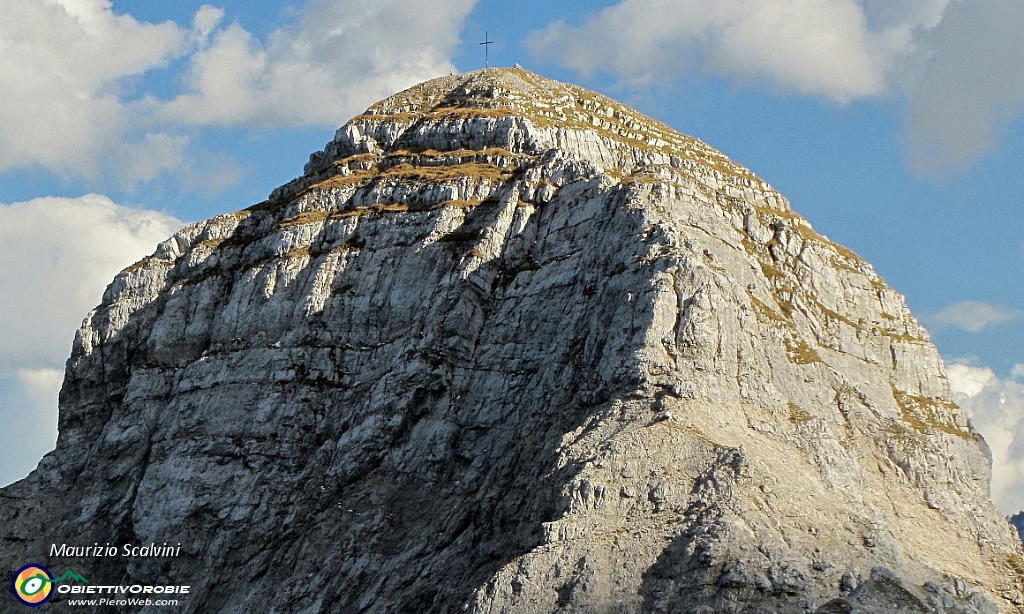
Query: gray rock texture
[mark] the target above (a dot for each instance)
(509, 347)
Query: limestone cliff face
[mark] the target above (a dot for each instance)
(510, 347)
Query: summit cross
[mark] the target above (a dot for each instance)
(487, 43)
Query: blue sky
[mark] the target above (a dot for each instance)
(895, 127)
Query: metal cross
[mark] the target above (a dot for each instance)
(487, 42)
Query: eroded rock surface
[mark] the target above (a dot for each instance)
(511, 347)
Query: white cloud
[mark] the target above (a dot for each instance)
(959, 64)
(62, 70)
(1018, 370)
(58, 255)
(974, 316)
(339, 58)
(832, 48)
(206, 19)
(969, 381)
(74, 99)
(996, 408)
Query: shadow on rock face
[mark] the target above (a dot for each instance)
(361, 414)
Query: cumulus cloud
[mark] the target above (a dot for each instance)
(58, 255)
(62, 72)
(959, 64)
(834, 48)
(996, 408)
(339, 58)
(72, 87)
(974, 316)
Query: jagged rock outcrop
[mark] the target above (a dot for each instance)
(1017, 522)
(511, 347)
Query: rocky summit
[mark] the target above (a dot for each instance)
(510, 347)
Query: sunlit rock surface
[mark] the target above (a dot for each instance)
(510, 347)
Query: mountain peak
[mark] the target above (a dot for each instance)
(523, 113)
(545, 103)
(508, 346)
(484, 88)
(503, 92)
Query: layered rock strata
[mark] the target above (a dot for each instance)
(508, 346)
